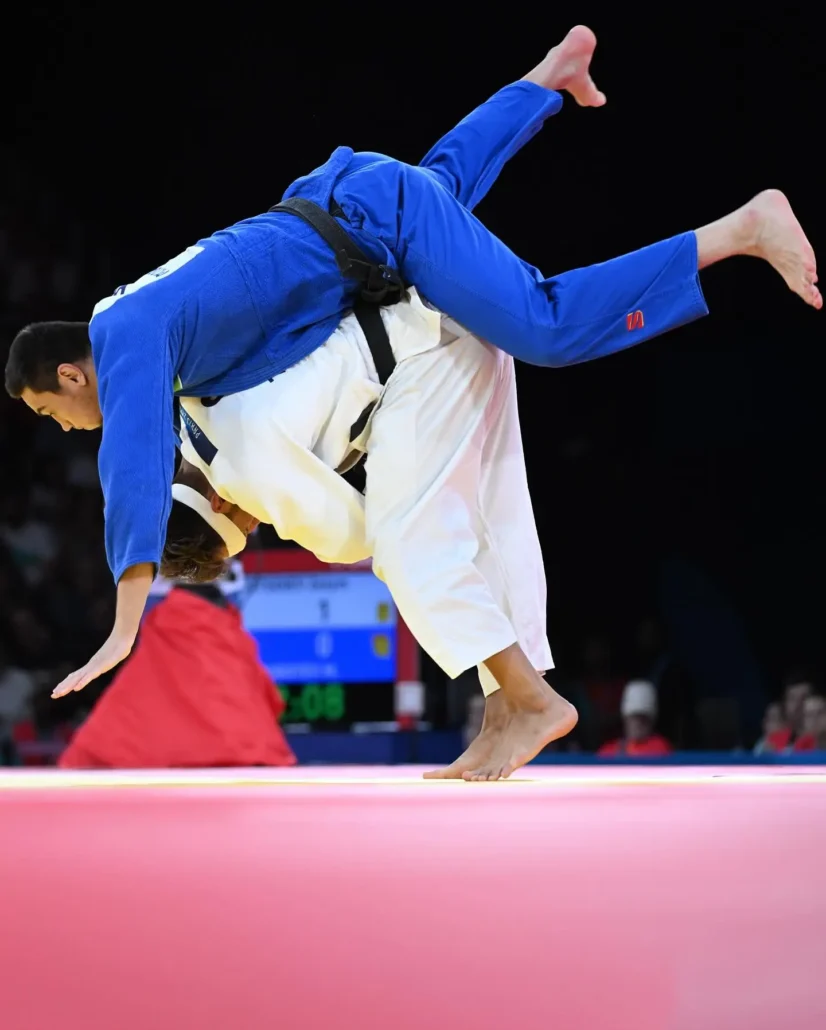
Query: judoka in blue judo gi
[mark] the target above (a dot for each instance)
(254, 300)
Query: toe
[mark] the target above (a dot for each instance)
(587, 94)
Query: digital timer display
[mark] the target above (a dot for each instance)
(314, 702)
(335, 706)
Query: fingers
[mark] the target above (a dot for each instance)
(74, 681)
(112, 652)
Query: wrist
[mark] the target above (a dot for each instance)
(133, 591)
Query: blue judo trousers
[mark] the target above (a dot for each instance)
(250, 301)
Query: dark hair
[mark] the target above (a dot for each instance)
(38, 349)
(193, 551)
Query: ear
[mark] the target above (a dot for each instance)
(67, 372)
(215, 501)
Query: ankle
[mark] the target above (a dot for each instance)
(736, 233)
(749, 230)
(544, 71)
(521, 686)
(528, 695)
(497, 712)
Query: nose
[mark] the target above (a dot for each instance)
(67, 427)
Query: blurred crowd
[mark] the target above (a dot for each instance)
(56, 598)
(55, 589)
(657, 712)
(797, 722)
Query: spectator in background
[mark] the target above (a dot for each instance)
(812, 723)
(639, 716)
(797, 688)
(773, 722)
(654, 662)
(819, 728)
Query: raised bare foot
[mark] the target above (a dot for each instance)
(772, 232)
(497, 716)
(527, 732)
(566, 67)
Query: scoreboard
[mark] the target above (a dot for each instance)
(330, 637)
(325, 625)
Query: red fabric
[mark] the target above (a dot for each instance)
(193, 694)
(779, 740)
(652, 747)
(805, 742)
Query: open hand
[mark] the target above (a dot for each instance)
(116, 648)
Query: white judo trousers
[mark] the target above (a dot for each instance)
(449, 518)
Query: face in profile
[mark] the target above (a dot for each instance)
(74, 405)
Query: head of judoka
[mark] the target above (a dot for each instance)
(50, 368)
(203, 529)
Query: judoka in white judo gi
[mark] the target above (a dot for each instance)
(446, 514)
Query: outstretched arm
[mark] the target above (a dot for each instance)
(136, 462)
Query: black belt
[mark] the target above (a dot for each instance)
(381, 286)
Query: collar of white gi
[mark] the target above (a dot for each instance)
(223, 526)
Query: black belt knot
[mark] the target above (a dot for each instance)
(381, 285)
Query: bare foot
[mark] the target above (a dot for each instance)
(566, 67)
(497, 716)
(773, 233)
(527, 732)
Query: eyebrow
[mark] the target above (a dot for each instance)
(40, 411)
